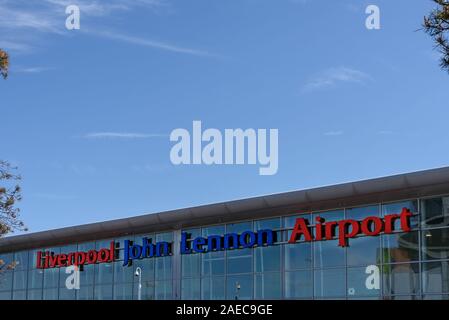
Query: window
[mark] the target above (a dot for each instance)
(361, 213)
(298, 256)
(20, 280)
(213, 288)
(400, 279)
(21, 260)
(363, 281)
(396, 208)
(239, 287)
(35, 277)
(435, 212)
(103, 292)
(267, 285)
(363, 251)
(191, 289)
(213, 263)
(163, 268)
(164, 290)
(191, 265)
(436, 277)
(330, 283)
(328, 254)
(103, 273)
(123, 273)
(299, 284)
(267, 258)
(123, 291)
(51, 278)
(400, 247)
(51, 294)
(435, 244)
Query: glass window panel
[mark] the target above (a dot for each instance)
(213, 230)
(123, 273)
(213, 263)
(400, 279)
(51, 278)
(361, 213)
(21, 260)
(239, 287)
(272, 224)
(191, 289)
(435, 212)
(123, 291)
(193, 233)
(299, 284)
(330, 283)
(400, 247)
(35, 277)
(239, 227)
(164, 290)
(163, 268)
(334, 215)
(364, 281)
(396, 208)
(35, 294)
(436, 297)
(85, 293)
(19, 295)
(66, 294)
(213, 288)
(239, 261)
(147, 266)
(363, 251)
(289, 222)
(328, 254)
(147, 290)
(191, 265)
(86, 246)
(435, 244)
(6, 280)
(436, 277)
(103, 273)
(86, 276)
(167, 236)
(20, 280)
(103, 244)
(298, 256)
(51, 294)
(32, 258)
(267, 285)
(267, 258)
(103, 292)
(5, 295)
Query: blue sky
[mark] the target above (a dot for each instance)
(87, 113)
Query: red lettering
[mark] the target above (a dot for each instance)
(92, 257)
(39, 260)
(80, 258)
(112, 251)
(343, 228)
(405, 220)
(301, 228)
(103, 255)
(62, 259)
(389, 222)
(330, 229)
(378, 226)
(319, 228)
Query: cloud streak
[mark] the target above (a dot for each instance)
(23, 18)
(333, 76)
(122, 135)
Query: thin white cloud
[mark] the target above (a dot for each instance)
(150, 43)
(22, 18)
(122, 135)
(29, 69)
(334, 133)
(333, 76)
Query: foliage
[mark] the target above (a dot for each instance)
(436, 24)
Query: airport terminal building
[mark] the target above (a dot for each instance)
(384, 238)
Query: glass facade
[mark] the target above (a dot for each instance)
(401, 265)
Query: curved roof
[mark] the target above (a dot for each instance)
(401, 186)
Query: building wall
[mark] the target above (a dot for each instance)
(413, 265)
